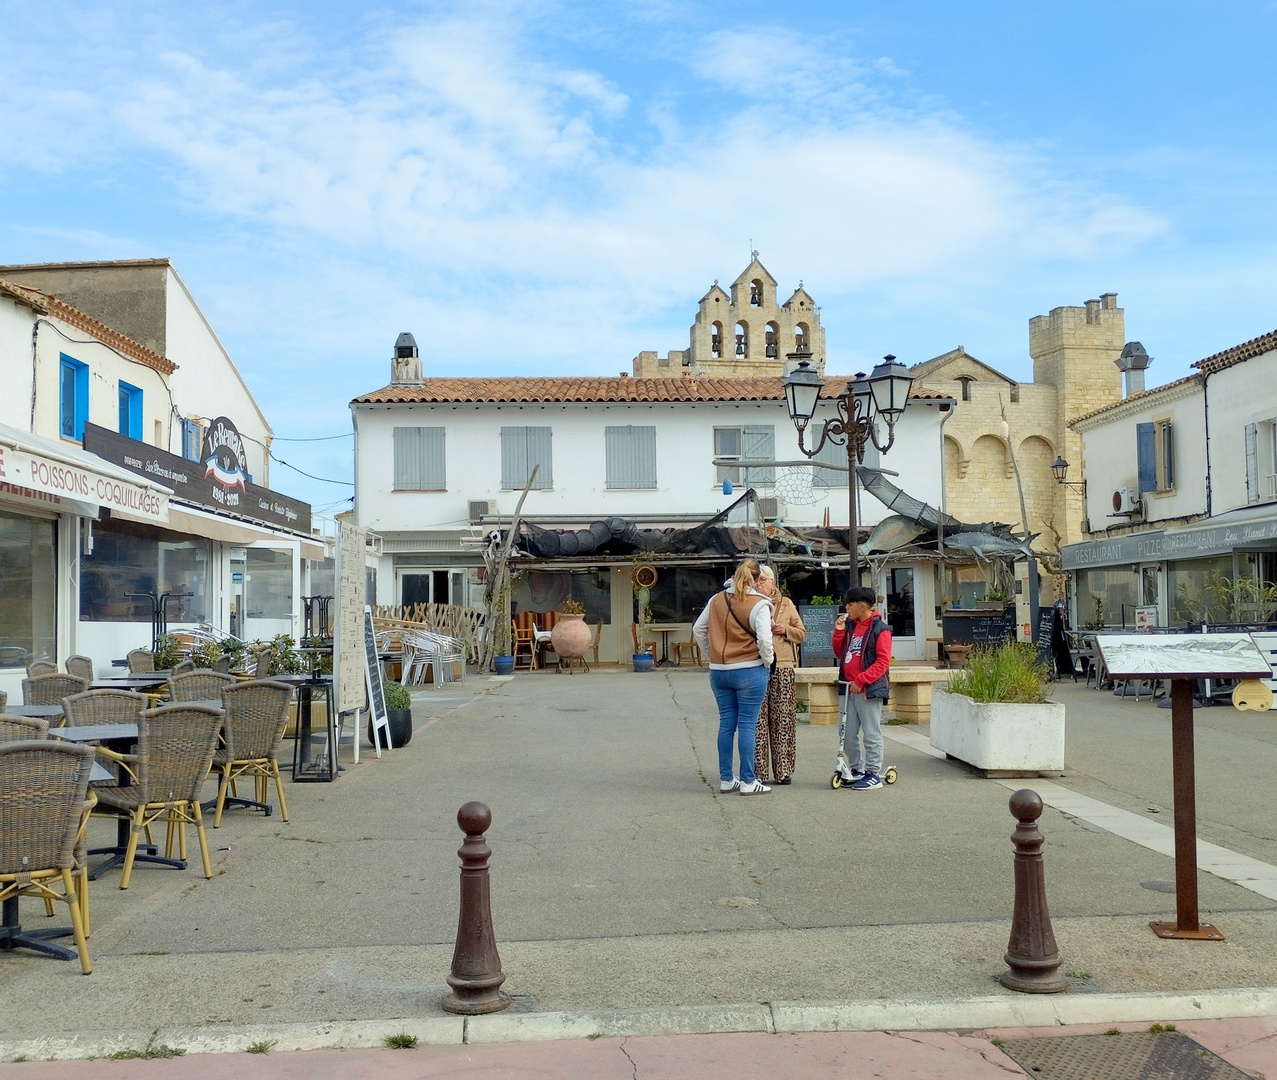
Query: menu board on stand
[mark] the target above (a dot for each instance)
(348, 643)
(376, 692)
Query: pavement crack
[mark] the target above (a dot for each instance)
(633, 1063)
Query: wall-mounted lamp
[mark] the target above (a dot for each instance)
(1060, 470)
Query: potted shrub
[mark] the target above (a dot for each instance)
(571, 635)
(995, 714)
(398, 713)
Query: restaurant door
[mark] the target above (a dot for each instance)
(427, 586)
(899, 586)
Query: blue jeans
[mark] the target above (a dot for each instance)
(739, 693)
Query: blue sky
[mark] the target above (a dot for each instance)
(548, 188)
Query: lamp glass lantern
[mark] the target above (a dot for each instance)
(862, 396)
(890, 384)
(1059, 469)
(802, 391)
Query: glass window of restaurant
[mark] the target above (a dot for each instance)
(269, 584)
(546, 590)
(681, 592)
(141, 559)
(28, 589)
(1106, 597)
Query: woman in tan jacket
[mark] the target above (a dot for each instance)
(775, 747)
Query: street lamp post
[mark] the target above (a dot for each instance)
(885, 393)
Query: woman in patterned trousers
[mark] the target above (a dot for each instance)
(775, 749)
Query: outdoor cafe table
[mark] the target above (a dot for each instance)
(35, 712)
(665, 632)
(130, 682)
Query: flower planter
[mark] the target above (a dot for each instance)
(1006, 740)
(503, 665)
(643, 661)
(400, 721)
(571, 637)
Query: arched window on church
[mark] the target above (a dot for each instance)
(755, 293)
(801, 337)
(716, 340)
(742, 340)
(770, 340)
(966, 381)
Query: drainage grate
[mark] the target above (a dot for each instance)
(1139, 1055)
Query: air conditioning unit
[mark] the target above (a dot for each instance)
(770, 509)
(1126, 501)
(479, 509)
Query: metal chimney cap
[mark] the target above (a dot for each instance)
(1133, 357)
(405, 345)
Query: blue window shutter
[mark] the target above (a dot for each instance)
(130, 398)
(1252, 463)
(760, 445)
(1144, 445)
(191, 440)
(631, 457)
(419, 459)
(73, 404)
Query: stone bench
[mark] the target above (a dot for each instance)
(910, 693)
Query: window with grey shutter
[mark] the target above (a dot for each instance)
(1146, 455)
(419, 459)
(759, 443)
(631, 457)
(1168, 455)
(834, 454)
(1252, 463)
(522, 449)
(727, 444)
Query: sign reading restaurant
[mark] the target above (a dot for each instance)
(219, 480)
(27, 473)
(1156, 546)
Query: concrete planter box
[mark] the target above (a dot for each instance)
(1005, 740)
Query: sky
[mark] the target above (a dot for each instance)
(548, 188)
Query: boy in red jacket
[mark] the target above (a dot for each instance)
(862, 644)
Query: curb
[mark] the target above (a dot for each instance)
(778, 1017)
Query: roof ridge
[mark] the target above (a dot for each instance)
(1247, 350)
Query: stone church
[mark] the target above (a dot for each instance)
(744, 334)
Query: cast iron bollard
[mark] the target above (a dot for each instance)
(476, 968)
(1031, 953)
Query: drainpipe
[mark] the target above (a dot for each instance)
(1206, 421)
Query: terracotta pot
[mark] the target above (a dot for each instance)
(571, 636)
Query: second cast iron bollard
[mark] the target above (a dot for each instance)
(1031, 953)
(476, 974)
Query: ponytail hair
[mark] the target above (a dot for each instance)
(743, 579)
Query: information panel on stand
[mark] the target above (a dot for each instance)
(349, 617)
(376, 692)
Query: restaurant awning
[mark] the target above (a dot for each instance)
(195, 522)
(82, 482)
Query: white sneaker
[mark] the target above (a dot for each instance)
(754, 787)
(728, 785)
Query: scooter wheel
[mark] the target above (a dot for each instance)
(891, 775)
(835, 781)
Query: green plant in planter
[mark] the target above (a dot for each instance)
(1009, 673)
(166, 652)
(397, 697)
(287, 660)
(572, 607)
(323, 660)
(237, 650)
(822, 601)
(205, 654)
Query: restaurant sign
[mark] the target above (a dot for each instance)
(26, 473)
(1199, 543)
(219, 480)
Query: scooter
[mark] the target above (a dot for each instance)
(842, 767)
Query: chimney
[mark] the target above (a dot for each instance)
(1132, 363)
(405, 365)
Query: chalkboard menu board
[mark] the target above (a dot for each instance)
(820, 628)
(978, 627)
(1045, 636)
(376, 692)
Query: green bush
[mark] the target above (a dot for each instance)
(1009, 674)
(822, 601)
(397, 698)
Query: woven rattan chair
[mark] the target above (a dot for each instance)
(261, 665)
(4, 699)
(256, 715)
(174, 753)
(203, 684)
(81, 667)
(103, 707)
(222, 664)
(51, 689)
(16, 728)
(42, 818)
(141, 661)
(41, 667)
(182, 667)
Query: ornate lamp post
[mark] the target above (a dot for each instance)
(884, 394)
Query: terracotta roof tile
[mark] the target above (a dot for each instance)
(1247, 350)
(51, 305)
(570, 388)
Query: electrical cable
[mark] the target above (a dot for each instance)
(318, 438)
(321, 479)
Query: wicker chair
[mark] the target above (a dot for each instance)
(174, 753)
(256, 715)
(42, 819)
(141, 661)
(4, 699)
(261, 664)
(203, 684)
(41, 667)
(81, 667)
(182, 667)
(51, 689)
(222, 664)
(103, 707)
(15, 728)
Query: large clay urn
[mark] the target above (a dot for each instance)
(571, 636)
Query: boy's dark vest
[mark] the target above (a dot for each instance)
(880, 688)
